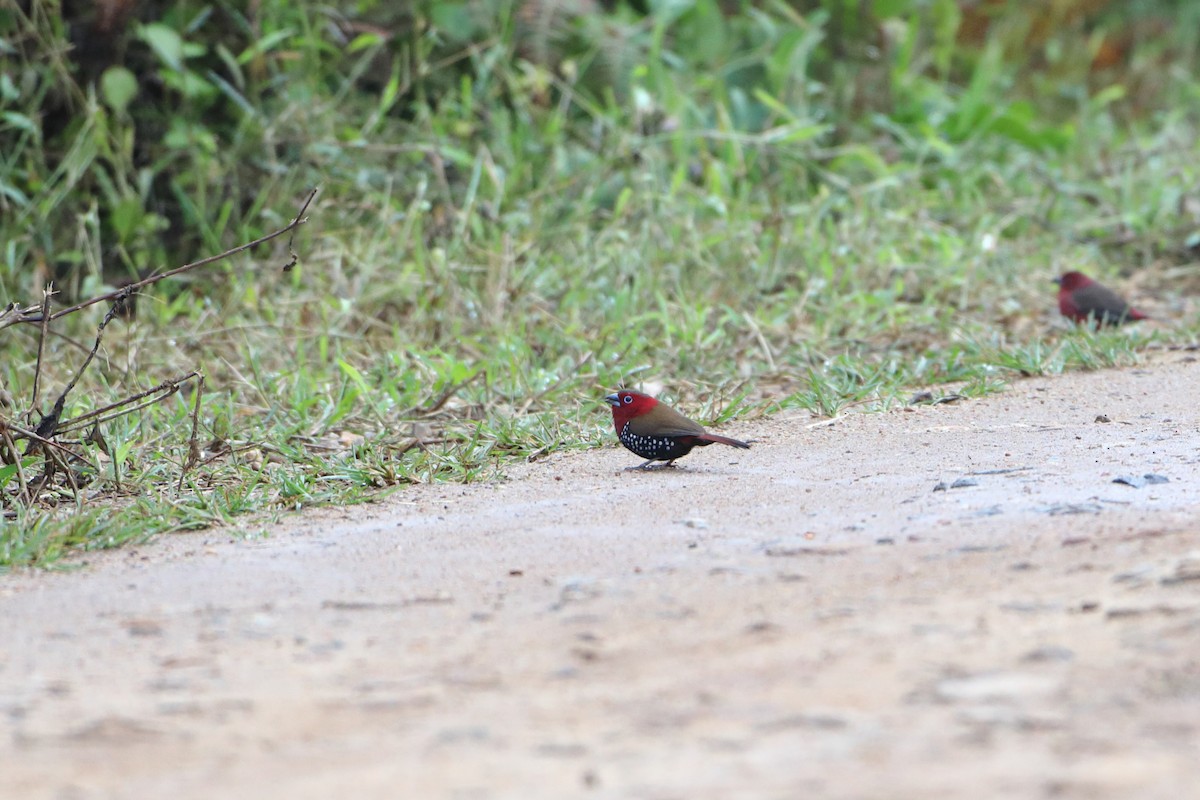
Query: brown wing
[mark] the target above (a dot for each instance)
(662, 420)
(1100, 301)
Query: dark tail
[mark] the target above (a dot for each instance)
(709, 438)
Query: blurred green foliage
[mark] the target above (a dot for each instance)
(136, 136)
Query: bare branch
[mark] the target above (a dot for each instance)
(66, 469)
(193, 453)
(11, 447)
(47, 293)
(13, 314)
(49, 424)
(170, 387)
(292, 239)
(445, 398)
(42, 441)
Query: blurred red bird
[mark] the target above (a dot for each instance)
(1081, 299)
(656, 431)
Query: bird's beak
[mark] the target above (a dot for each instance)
(613, 400)
(1056, 281)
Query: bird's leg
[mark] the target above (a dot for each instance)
(648, 465)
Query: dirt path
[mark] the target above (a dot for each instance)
(805, 619)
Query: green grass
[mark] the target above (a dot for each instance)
(481, 269)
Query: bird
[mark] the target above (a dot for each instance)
(657, 432)
(1081, 299)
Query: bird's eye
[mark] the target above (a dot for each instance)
(627, 398)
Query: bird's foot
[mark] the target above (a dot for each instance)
(652, 464)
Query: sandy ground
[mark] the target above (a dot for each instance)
(810, 618)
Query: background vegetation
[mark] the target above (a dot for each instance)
(747, 205)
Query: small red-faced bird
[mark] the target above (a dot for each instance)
(1081, 299)
(656, 431)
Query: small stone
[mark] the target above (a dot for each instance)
(1130, 480)
(980, 548)
(1050, 652)
(789, 550)
(1138, 576)
(143, 627)
(1187, 569)
(1059, 509)
(1030, 607)
(809, 721)
(1160, 609)
(1138, 481)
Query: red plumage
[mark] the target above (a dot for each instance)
(1081, 299)
(656, 431)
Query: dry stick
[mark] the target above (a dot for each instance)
(42, 440)
(445, 398)
(47, 292)
(233, 450)
(8, 453)
(169, 386)
(49, 466)
(126, 291)
(12, 314)
(12, 448)
(193, 454)
(49, 424)
(23, 315)
(170, 390)
(52, 459)
(58, 459)
(292, 239)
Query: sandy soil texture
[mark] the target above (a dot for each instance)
(947, 601)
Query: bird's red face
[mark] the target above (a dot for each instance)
(627, 405)
(1071, 281)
